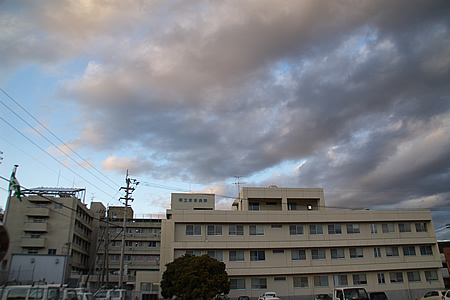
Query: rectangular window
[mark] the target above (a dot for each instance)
(315, 229)
(404, 227)
(152, 258)
(128, 243)
(409, 251)
(388, 227)
(421, 227)
(359, 279)
(334, 229)
(337, 253)
(35, 235)
(113, 258)
(116, 244)
(235, 229)
(396, 277)
(253, 206)
(413, 276)
(431, 275)
(356, 252)
(426, 250)
(278, 251)
(279, 279)
(277, 226)
(237, 283)
(58, 205)
(298, 254)
(236, 255)
(292, 206)
(392, 251)
(321, 281)
(193, 229)
(139, 258)
(152, 244)
(38, 220)
(256, 229)
(381, 279)
(373, 228)
(296, 229)
(217, 254)
(141, 244)
(194, 252)
(300, 281)
(318, 253)
(52, 251)
(127, 258)
(376, 252)
(257, 255)
(340, 280)
(214, 229)
(259, 283)
(352, 228)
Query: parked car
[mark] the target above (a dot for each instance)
(269, 296)
(378, 296)
(447, 295)
(434, 295)
(243, 298)
(323, 297)
(113, 294)
(354, 293)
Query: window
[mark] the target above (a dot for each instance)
(113, 258)
(356, 252)
(152, 258)
(38, 220)
(409, 251)
(128, 243)
(214, 230)
(253, 206)
(392, 251)
(296, 229)
(301, 282)
(152, 244)
(404, 227)
(315, 229)
(139, 258)
(237, 283)
(396, 277)
(278, 251)
(58, 205)
(321, 281)
(298, 254)
(381, 279)
(431, 275)
(340, 280)
(35, 235)
(127, 257)
(271, 203)
(413, 276)
(421, 227)
(292, 206)
(334, 229)
(259, 283)
(256, 229)
(373, 228)
(194, 252)
(277, 226)
(376, 252)
(279, 279)
(352, 228)
(235, 229)
(141, 244)
(193, 229)
(426, 250)
(217, 254)
(388, 228)
(52, 251)
(236, 255)
(116, 244)
(257, 255)
(318, 253)
(359, 279)
(337, 253)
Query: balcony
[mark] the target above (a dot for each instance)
(37, 211)
(33, 226)
(28, 242)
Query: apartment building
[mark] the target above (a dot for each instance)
(52, 222)
(284, 240)
(141, 250)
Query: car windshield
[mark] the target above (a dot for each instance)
(355, 294)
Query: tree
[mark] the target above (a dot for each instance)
(194, 277)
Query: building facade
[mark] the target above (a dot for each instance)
(50, 221)
(284, 240)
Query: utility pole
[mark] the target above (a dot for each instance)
(129, 189)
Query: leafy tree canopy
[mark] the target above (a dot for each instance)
(194, 277)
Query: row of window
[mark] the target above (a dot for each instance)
(338, 280)
(137, 244)
(299, 229)
(320, 253)
(135, 230)
(132, 258)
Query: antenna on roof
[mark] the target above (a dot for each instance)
(238, 183)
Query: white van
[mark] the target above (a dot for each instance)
(113, 294)
(350, 293)
(39, 291)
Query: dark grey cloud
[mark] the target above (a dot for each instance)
(356, 92)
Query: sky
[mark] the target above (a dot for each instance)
(352, 96)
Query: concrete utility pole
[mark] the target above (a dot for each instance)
(129, 189)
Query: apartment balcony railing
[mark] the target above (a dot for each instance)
(29, 242)
(43, 211)
(35, 226)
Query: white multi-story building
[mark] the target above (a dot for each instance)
(284, 240)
